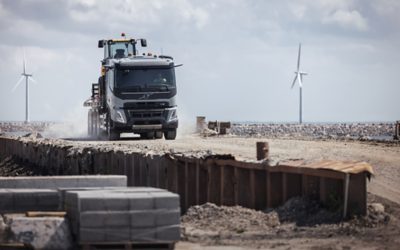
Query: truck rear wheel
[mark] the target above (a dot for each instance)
(170, 134)
(90, 123)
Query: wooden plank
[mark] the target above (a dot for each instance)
(191, 184)
(240, 164)
(181, 181)
(203, 182)
(260, 190)
(244, 198)
(221, 192)
(236, 185)
(186, 185)
(304, 184)
(308, 171)
(276, 189)
(357, 199)
(214, 184)
(284, 188)
(322, 190)
(228, 183)
(294, 185)
(45, 214)
(252, 189)
(198, 182)
(268, 187)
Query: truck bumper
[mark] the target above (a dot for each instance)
(145, 120)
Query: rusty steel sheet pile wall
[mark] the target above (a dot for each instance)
(219, 179)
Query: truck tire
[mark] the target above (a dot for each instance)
(95, 124)
(90, 123)
(112, 134)
(150, 135)
(170, 134)
(158, 134)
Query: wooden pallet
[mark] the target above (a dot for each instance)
(14, 246)
(127, 245)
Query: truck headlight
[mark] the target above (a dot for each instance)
(172, 114)
(120, 116)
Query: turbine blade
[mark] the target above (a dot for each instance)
(300, 80)
(294, 81)
(298, 57)
(17, 84)
(24, 63)
(33, 80)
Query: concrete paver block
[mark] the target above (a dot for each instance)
(144, 235)
(52, 182)
(166, 200)
(123, 214)
(168, 217)
(143, 218)
(21, 200)
(105, 219)
(169, 233)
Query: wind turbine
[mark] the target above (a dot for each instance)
(299, 77)
(27, 77)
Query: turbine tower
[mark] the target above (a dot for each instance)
(27, 77)
(299, 77)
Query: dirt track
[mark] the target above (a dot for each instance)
(385, 158)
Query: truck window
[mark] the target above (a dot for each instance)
(121, 49)
(144, 77)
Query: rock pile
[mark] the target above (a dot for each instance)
(21, 126)
(297, 216)
(229, 220)
(359, 131)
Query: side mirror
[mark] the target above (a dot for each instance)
(101, 44)
(143, 42)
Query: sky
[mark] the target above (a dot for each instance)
(238, 57)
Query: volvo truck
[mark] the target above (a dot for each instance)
(135, 93)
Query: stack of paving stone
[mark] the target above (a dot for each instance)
(44, 193)
(137, 214)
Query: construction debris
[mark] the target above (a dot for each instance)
(213, 128)
(45, 233)
(397, 131)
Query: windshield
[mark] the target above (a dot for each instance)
(144, 78)
(121, 49)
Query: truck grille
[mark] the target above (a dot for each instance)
(145, 105)
(145, 114)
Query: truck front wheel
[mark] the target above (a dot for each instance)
(170, 134)
(112, 134)
(158, 134)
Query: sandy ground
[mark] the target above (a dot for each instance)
(385, 158)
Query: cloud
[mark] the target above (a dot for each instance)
(348, 20)
(242, 50)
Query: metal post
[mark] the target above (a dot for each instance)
(26, 100)
(262, 150)
(301, 104)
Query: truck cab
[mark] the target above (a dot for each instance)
(135, 93)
